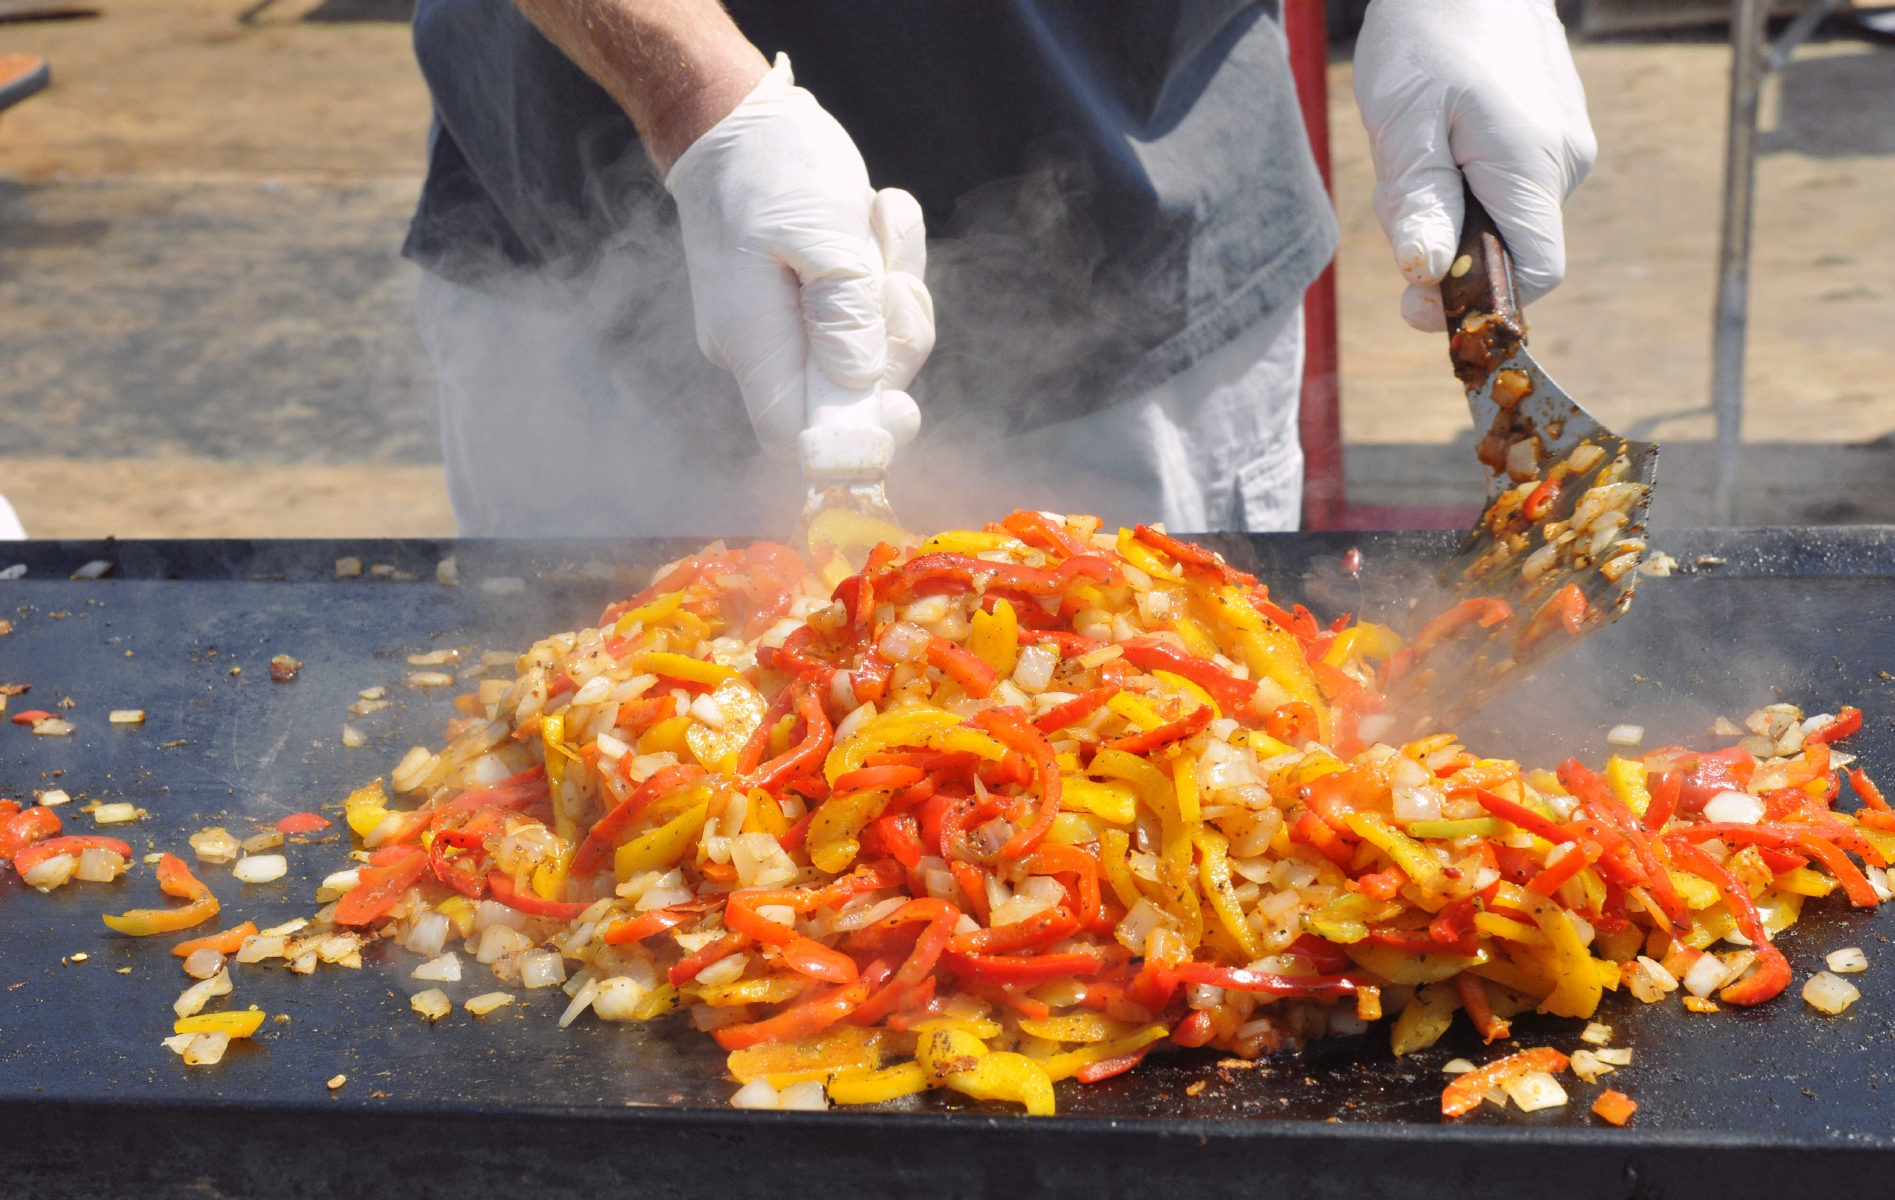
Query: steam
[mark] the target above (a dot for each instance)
(578, 404)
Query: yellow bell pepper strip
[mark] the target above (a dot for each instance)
(1183, 686)
(813, 1015)
(970, 542)
(227, 942)
(1142, 556)
(765, 989)
(1136, 710)
(833, 840)
(865, 1085)
(365, 808)
(839, 1048)
(1366, 640)
(612, 826)
(1086, 1062)
(1424, 1018)
(888, 731)
(657, 610)
(1626, 777)
(995, 638)
(1085, 1028)
(1214, 874)
(1161, 798)
(662, 846)
(235, 1024)
(1578, 988)
(1411, 856)
(553, 741)
(951, 1058)
(1465, 1094)
(684, 668)
(1447, 831)
(1011, 728)
(1275, 654)
(174, 879)
(1113, 846)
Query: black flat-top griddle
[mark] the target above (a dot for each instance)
(91, 1104)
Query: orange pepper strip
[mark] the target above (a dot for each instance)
(962, 666)
(800, 954)
(1854, 882)
(1614, 1106)
(1773, 970)
(228, 942)
(942, 917)
(1010, 726)
(1052, 858)
(174, 879)
(812, 1015)
(1865, 788)
(1474, 1000)
(1464, 1095)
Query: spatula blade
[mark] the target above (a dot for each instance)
(1556, 552)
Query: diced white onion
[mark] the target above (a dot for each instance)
(115, 814)
(444, 969)
(432, 1004)
(904, 641)
(206, 1049)
(1456, 1066)
(1033, 670)
(1734, 808)
(542, 968)
(1625, 735)
(1705, 975)
(757, 1095)
(617, 998)
(192, 1000)
(854, 721)
(1830, 993)
(1847, 961)
(581, 1000)
(1596, 1034)
(1535, 1090)
(261, 868)
(203, 962)
(51, 873)
(806, 1096)
(488, 1001)
(724, 970)
(256, 949)
(127, 716)
(428, 934)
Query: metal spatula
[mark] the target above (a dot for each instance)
(1555, 554)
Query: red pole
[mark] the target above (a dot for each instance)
(1306, 25)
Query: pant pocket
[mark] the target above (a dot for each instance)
(1270, 491)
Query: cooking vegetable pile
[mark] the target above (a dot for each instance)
(1024, 804)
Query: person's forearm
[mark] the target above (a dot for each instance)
(677, 67)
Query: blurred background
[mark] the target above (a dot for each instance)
(206, 329)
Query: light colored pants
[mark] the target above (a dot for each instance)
(549, 429)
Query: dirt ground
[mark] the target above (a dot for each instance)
(205, 329)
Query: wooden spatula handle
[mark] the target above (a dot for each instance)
(1480, 282)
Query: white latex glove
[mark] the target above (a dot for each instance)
(805, 281)
(1485, 87)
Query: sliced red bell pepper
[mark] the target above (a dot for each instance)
(1075, 710)
(1479, 1010)
(876, 779)
(381, 885)
(1194, 557)
(1854, 883)
(1239, 979)
(502, 886)
(1011, 728)
(1521, 815)
(1567, 609)
(1665, 788)
(942, 917)
(303, 822)
(1071, 645)
(1483, 611)
(227, 941)
(1773, 971)
(24, 828)
(645, 924)
(1847, 721)
(976, 678)
(1583, 854)
(28, 857)
(1192, 1032)
(1035, 529)
(32, 716)
(1153, 654)
(1035, 933)
(1024, 970)
(604, 836)
(687, 969)
(812, 1013)
(1175, 731)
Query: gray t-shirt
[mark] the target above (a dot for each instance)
(1113, 188)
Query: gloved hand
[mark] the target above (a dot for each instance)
(1485, 87)
(805, 281)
